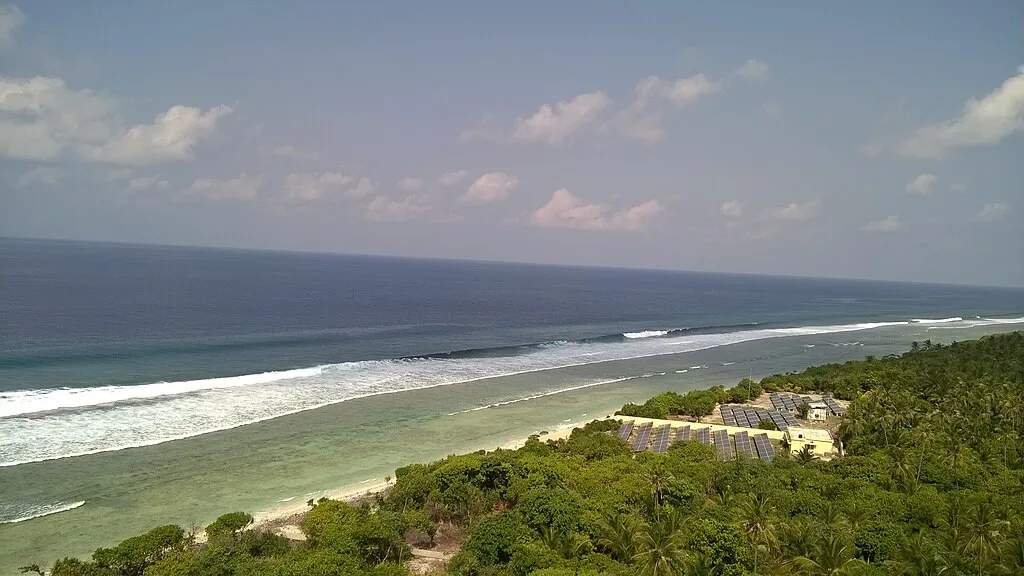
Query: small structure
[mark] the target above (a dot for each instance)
(817, 412)
(819, 442)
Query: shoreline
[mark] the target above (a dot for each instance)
(285, 518)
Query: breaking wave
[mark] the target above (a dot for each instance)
(646, 334)
(62, 422)
(10, 514)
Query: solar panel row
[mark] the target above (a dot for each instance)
(661, 438)
(643, 436)
(743, 446)
(704, 436)
(765, 451)
(626, 430)
(684, 434)
(722, 444)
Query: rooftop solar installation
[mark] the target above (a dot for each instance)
(743, 446)
(626, 430)
(683, 435)
(704, 436)
(661, 438)
(722, 444)
(643, 436)
(765, 451)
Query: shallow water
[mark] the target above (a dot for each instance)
(253, 467)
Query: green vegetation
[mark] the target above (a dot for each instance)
(932, 484)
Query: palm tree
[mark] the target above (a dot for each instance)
(1013, 556)
(756, 523)
(857, 514)
(659, 549)
(919, 558)
(805, 455)
(986, 533)
(660, 479)
(619, 534)
(833, 557)
(831, 516)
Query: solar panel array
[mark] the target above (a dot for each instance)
(764, 447)
(661, 438)
(833, 406)
(643, 436)
(704, 436)
(626, 430)
(722, 444)
(751, 416)
(788, 402)
(683, 435)
(743, 446)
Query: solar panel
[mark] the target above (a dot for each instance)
(743, 446)
(722, 444)
(626, 430)
(661, 438)
(765, 451)
(777, 402)
(643, 435)
(684, 434)
(833, 406)
(704, 436)
(730, 419)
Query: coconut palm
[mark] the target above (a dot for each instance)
(858, 513)
(919, 558)
(660, 479)
(1013, 557)
(986, 533)
(756, 523)
(659, 549)
(833, 557)
(619, 534)
(805, 455)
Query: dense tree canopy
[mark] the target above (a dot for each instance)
(933, 483)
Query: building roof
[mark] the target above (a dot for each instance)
(818, 405)
(809, 434)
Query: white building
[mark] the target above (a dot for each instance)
(818, 412)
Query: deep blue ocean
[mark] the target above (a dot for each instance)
(94, 335)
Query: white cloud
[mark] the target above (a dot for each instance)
(244, 187)
(923, 184)
(307, 187)
(41, 117)
(553, 124)
(992, 211)
(887, 224)
(11, 20)
(643, 120)
(732, 209)
(565, 210)
(44, 175)
(410, 184)
(982, 122)
(753, 70)
(143, 183)
(490, 187)
(288, 151)
(363, 188)
(796, 211)
(170, 138)
(451, 178)
(384, 209)
(688, 90)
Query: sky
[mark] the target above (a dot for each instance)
(868, 140)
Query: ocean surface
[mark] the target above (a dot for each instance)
(142, 385)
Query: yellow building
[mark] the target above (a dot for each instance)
(818, 441)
